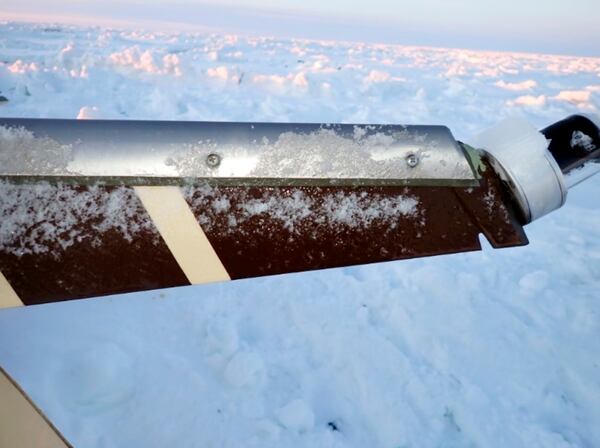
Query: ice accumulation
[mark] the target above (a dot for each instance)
(45, 218)
(297, 211)
(21, 152)
(326, 154)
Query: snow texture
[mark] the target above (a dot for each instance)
(22, 152)
(326, 153)
(495, 348)
(62, 214)
(297, 212)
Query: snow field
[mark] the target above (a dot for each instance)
(494, 348)
(66, 71)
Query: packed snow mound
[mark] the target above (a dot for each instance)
(498, 348)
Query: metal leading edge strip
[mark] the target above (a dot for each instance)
(8, 296)
(302, 154)
(183, 235)
(22, 423)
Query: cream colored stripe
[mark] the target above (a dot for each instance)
(22, 424)
(177, 225)
(8, 296)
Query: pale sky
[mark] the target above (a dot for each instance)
(552, 26)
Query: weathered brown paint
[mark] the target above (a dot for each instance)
(106, 264)
(448, 220)
(453, 219)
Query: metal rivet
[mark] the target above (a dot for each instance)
(412, 160)
(213, 160)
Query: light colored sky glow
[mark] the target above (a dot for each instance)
(553, 26)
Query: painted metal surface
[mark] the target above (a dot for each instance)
(70, 241)
(60, 242)
(22, 423)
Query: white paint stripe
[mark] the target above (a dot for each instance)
(8, 296)
(185, 238)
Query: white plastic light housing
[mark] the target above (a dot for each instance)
(520, 154)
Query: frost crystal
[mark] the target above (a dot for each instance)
(42, 218)
(323, 154)
(298, 211)
(21, 152)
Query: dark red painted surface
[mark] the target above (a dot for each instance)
(97, 263)
(255, 231)
(448, 220)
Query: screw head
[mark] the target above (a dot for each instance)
(412, 160)
(213, 160)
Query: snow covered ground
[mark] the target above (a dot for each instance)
(495, 348)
